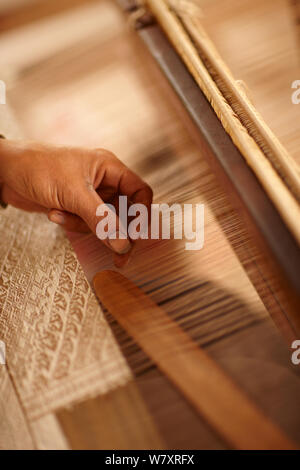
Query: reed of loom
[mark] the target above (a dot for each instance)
(273, 168)
(181, 360)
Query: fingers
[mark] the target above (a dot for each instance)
(140, 199)
(102, 220)
(73, 223)
(135, 189)
(83, 206)
(126, 182)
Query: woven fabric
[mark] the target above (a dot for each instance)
(59, 348)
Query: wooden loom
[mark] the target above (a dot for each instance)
(273, 169)
(151, 391)
(272, 166)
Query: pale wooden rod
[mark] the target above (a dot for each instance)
(283, 162)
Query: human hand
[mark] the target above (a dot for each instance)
(68, 184)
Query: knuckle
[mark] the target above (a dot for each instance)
(104, 154)
(66, 197)
(148, 190)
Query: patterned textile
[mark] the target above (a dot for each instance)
(59, 348)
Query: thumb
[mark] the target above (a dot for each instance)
(70, 222)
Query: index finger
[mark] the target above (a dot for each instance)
(137, 191)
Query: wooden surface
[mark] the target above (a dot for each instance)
(118, 420)
(16, 13)
(95, 86)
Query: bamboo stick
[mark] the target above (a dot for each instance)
(271, 180)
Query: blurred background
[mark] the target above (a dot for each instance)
(56, 56)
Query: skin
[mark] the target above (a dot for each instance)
(69, 184)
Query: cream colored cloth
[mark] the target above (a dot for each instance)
(59, 347)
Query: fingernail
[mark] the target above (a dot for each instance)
(119, 245)
(57, 218)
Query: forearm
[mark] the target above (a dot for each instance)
(2, 157)
(2, 153)
(8, 152)
(10, 130)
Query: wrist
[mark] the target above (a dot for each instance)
(2, 203)
(6, 155)
(1, 155)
